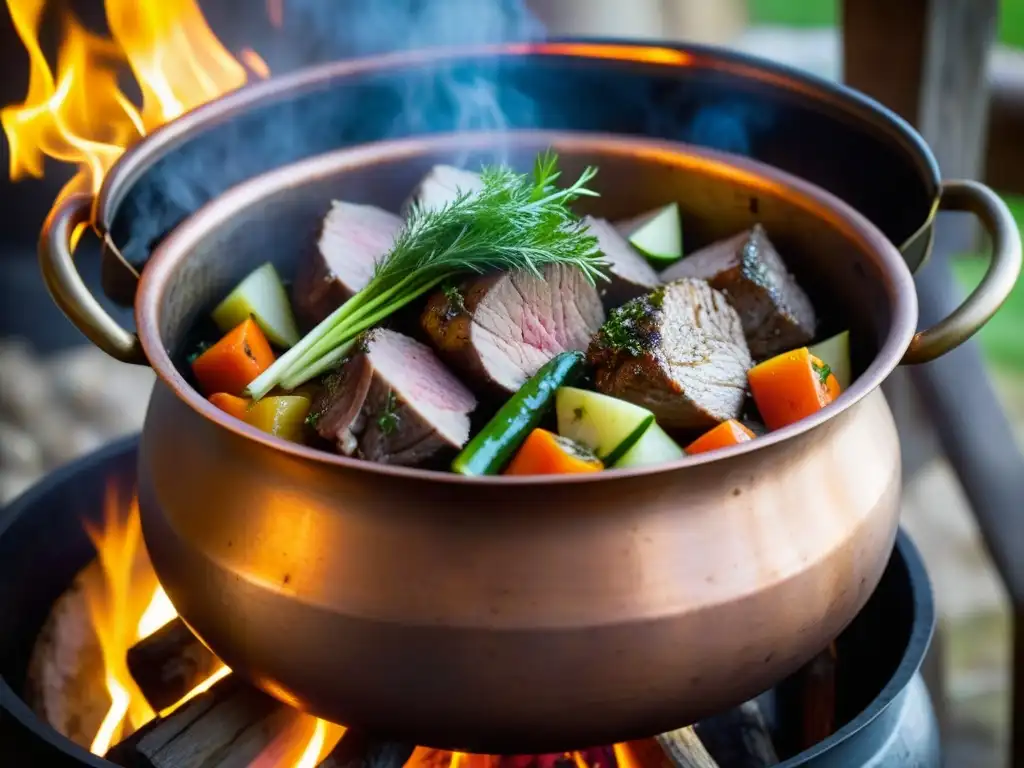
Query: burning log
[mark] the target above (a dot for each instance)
(169, 663)
(232, 720)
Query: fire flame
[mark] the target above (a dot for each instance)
(128, 605)
(80, 115)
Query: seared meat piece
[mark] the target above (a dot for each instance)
(353, 239)
(394, 403)
(442, 185)
(775, 312)
(630, 274)
(499, 329)
(678, 351)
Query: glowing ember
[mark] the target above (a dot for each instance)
(80, 115)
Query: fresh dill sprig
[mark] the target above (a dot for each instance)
(515, 222)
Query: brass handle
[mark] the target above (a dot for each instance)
(68, 289)
(978, 308)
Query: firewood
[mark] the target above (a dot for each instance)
(355, 750)
(170, 663)
(226, 727)
(684, 748)
(739, 738)
(65, 683)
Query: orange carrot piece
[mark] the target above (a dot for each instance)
(545, 453)
(790, 386)
(727, 433)
(236, 406)
(234, 361)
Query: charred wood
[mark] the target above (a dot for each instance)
(809, 699)
(169, 663)
(229, 725)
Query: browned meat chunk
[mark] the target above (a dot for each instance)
(353, 239)
(442, 185)
(499, 329)
(775, 312)
(679, 352)
(394, 403)
(630, 274)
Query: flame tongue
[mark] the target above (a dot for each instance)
(81, 116)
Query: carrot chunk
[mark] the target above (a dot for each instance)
(727, 433)
(545, 453)
(790, 386)
(234, 361)
(236, 406)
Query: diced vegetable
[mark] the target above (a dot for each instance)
(790, 386)
(236, 406)
(727, 433)
(545, 453)
(263, 296)
(658, 235)
(283, 416)
(653, 447)
(605, 425)
(493, 447)
(835, 352)
(234, 361)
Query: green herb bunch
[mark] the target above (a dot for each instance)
(516, 222)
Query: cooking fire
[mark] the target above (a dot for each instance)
(140, 689)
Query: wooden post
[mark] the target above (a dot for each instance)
(927, 60)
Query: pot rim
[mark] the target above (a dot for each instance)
(639, 53)
(899, 286)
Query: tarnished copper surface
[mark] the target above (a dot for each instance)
(535, 615)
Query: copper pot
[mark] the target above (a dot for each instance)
(498, 614)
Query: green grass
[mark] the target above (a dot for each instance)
(824, 13)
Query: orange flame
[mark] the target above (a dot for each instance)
(80, 115)
(126, 606)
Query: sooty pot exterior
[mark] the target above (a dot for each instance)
(528, 615)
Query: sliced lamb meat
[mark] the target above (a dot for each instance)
(775, 312)
(499, 329)
(394, 403)
(630, 274)
(678, 351)
(354, 237)
(442, 185)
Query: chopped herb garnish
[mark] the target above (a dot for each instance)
(313, 418)
(516, 221)
(632, 327)
(388, 419)
(823, 371)
(455, 302)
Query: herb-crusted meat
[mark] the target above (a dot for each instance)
(394, 402)
(678, 351)
(776, 313)
(498, 329)
(353, 239)
(630, 274)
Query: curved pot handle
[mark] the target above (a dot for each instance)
(68, 289)
(978, 308)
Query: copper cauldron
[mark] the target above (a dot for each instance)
(527, 615)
